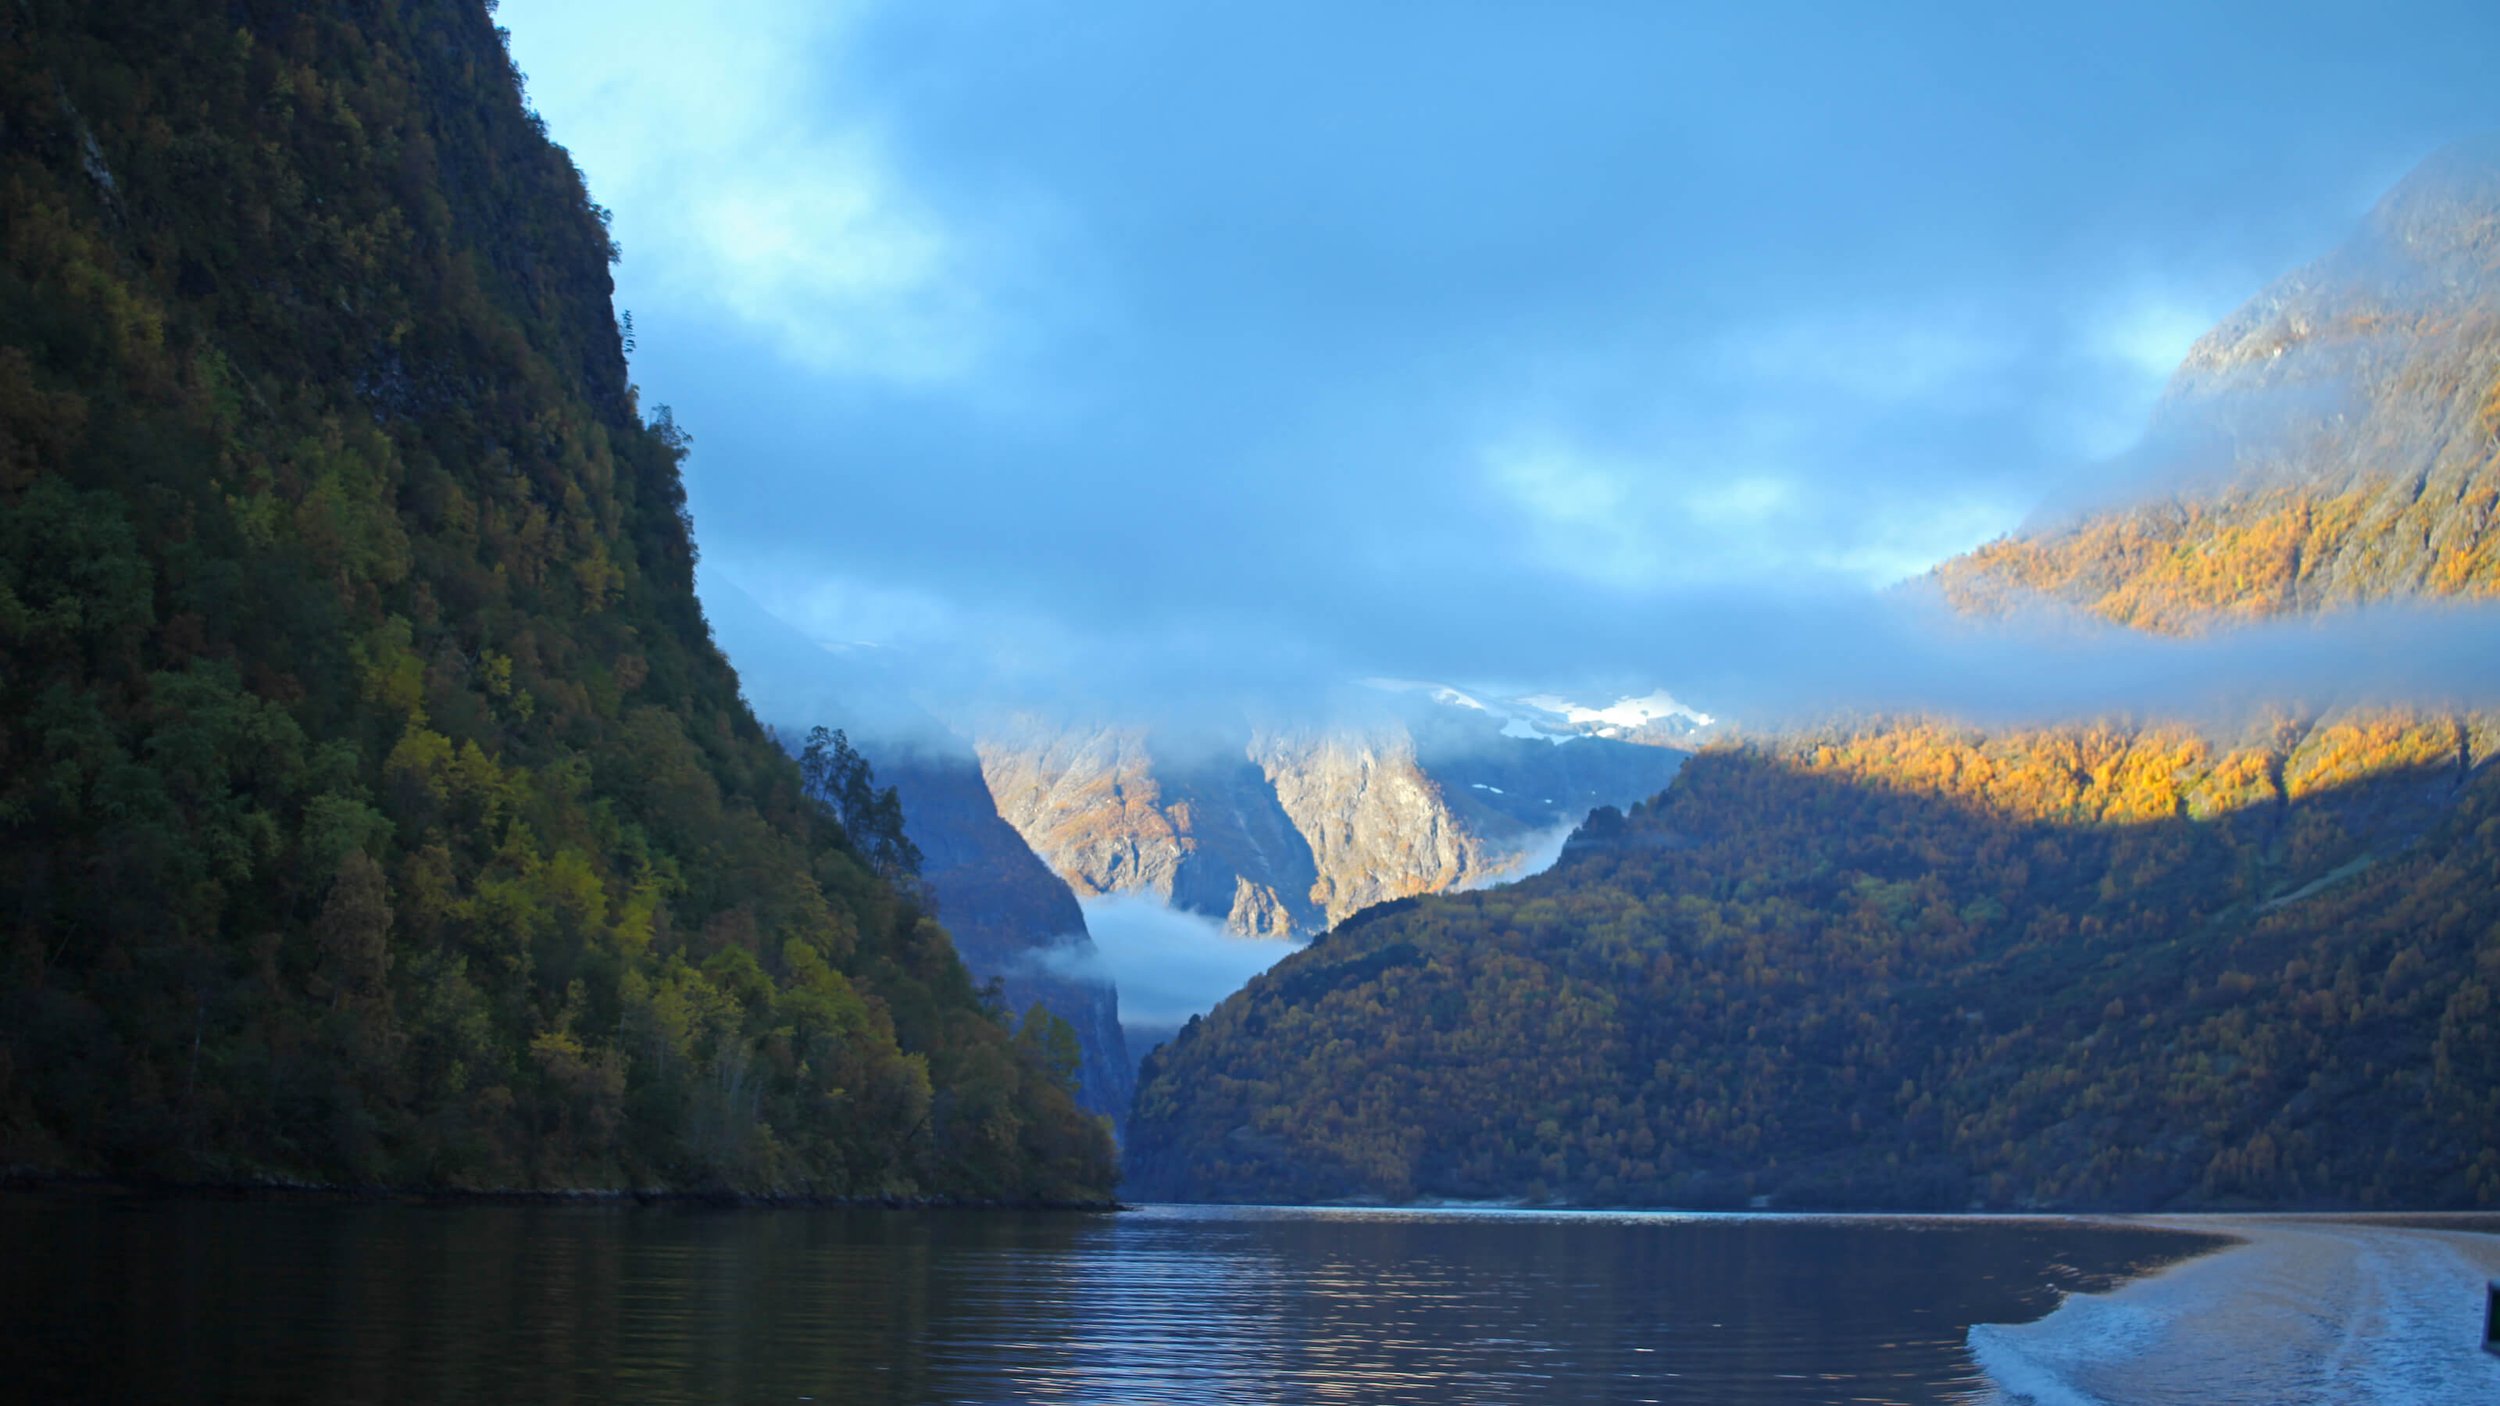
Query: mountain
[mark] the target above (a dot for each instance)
(1206, 833)
(374, 806)
(2131, 963)
(2109, 969)
(1283, 831)
(1275, 834)
(1013, 920)
(2335, 441)
(1654, 718)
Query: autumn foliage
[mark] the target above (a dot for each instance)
(1910, 966)
(374, 807)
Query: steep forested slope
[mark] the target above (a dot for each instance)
(373, 805)
(2117, 964)
(1909, 966)
(1013, 920)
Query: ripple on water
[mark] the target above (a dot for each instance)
(176, 1300)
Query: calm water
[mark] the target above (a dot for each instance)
(171, 1300)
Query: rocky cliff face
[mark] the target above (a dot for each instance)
(1201, 830)
(1295, 830)
(1377, 825)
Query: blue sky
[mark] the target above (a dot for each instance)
(1139, 348)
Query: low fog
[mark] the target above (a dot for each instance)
(1756, 660)
(1538, 855)
(1169, 964)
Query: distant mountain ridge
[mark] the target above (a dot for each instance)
(1293, 829)
(1656, 718)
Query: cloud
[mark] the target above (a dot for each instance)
(1536, 856)
(840, 610)
(1904, 653)
(1171, 965)
(2148, 330)
(839, 268)
(750, 187)
(1707, 515)
(1884, 356)
(1757, 658)
(1579, 514)
(1057, 352)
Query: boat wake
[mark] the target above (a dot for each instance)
(2302, 1311)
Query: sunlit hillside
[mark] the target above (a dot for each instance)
(2135, 962)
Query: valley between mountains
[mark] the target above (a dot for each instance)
(382, 807)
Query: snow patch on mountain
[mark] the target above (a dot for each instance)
(1652, 717)
(1623, 712)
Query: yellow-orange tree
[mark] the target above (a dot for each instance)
(1910, 966)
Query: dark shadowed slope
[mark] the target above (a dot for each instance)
(2126, 974)
(1013, 920)
(373, 804)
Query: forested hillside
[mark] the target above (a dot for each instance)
(374, 807)
(2126, 964)
(1909, 967)
(1013, 921)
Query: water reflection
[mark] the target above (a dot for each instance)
(195, 1300)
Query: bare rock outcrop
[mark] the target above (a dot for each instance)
(1294, 830)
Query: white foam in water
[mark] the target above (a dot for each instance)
(2372, 1315)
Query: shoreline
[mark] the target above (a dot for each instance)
(143, 1188)
(2208, 1223)
(2360, 1307)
